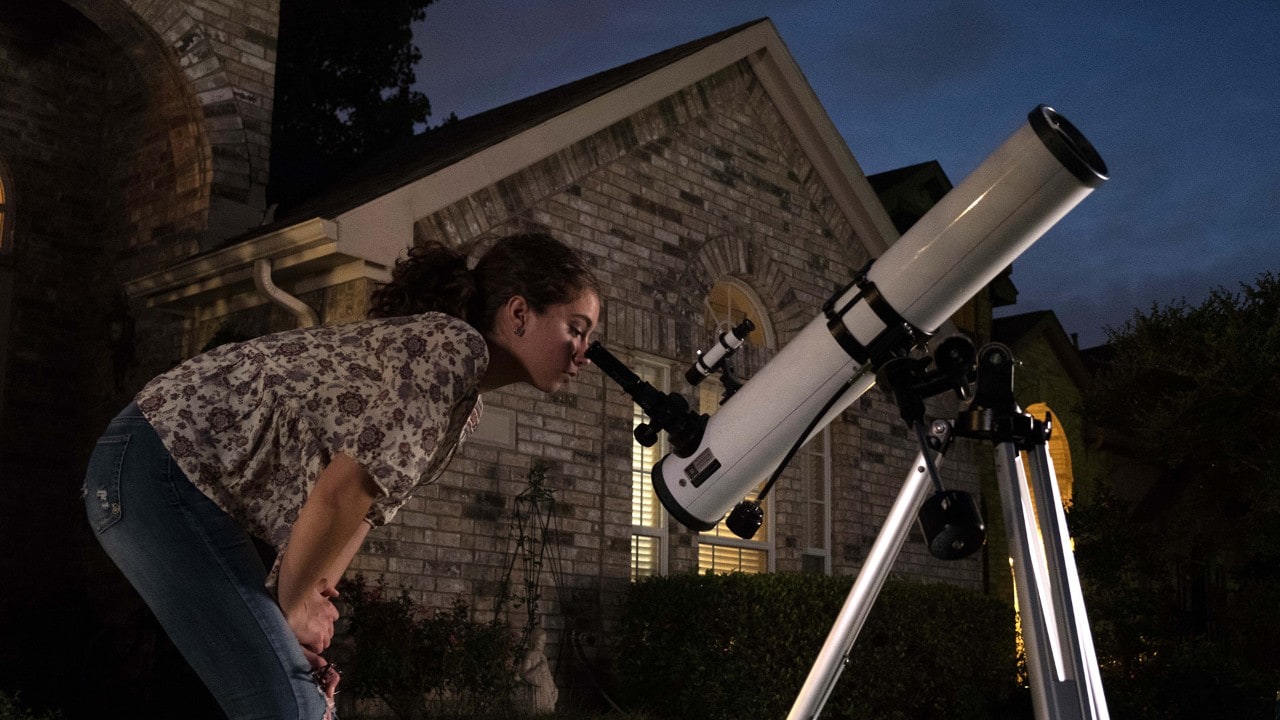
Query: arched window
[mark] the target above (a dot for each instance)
(1059, 452)
(728, 303)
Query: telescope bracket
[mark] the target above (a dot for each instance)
(898, 336)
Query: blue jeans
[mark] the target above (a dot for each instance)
(200, 574)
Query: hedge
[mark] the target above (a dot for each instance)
(740, 646)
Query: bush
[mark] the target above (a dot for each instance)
(12, 709)
(419, 662)
(740, 646)
(1189, 679)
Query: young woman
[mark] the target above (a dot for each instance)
(307, 438)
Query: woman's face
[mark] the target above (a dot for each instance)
(553, 345)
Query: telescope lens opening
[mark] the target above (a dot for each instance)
(1069, 146)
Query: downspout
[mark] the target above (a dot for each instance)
(262, 281)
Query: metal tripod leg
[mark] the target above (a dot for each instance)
(1061, 662)
(835, 650)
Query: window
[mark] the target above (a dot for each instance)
(1059, 451)
(815, 465)
(719, 550)
(728, 304)
(648, 519)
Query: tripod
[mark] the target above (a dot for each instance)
(1061, 662)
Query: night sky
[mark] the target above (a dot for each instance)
(1181, 98)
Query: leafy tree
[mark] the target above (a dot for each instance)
(344, 77)
(1182, 566)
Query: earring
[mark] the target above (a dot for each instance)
(520, 331)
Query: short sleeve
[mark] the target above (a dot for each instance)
(404, 430)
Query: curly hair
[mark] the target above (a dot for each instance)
(435, 278)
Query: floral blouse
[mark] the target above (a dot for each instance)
(252, 424)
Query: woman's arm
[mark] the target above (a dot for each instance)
(340, 564)
(327, 534)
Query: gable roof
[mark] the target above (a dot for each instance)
(1015, 330)
(364, 222)
(454, 141)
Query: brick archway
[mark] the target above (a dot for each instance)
(210, 81)
(124, 157)
(738, 255)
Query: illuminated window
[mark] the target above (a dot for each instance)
(648, 520)
(728, 304)
(719, 550)
(1059, 452)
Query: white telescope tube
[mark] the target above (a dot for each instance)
(1021, 190)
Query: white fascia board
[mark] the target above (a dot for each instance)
(381, 229)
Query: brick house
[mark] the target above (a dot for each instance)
(705, 182)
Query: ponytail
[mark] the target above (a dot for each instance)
(433, 278)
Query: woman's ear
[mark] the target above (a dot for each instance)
(516, 313)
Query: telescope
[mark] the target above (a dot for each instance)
(890, 308)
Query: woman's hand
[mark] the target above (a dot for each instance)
(322, 541)
(326, 677)
(313, 617)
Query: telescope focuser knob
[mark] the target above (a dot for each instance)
(646, 435)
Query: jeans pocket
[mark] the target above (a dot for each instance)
(102, 482)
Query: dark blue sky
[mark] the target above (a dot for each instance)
(1181, 98)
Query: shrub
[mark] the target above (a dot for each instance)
(419, 662)
(11, 708)
(739, 646)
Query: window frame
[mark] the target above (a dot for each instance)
(764, 327)
(656, 372)
(825, 470)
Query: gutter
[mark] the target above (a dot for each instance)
(275, 267)
(262, 281)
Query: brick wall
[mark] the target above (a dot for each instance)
(60, 76)
(129, 130)
(705, 184)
